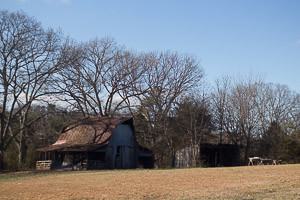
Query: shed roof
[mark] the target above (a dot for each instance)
(87, 135)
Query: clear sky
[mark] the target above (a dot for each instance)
(228, 37)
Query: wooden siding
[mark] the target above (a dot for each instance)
(211, 155)
(122, 148)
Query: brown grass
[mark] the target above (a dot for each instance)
(255, 182)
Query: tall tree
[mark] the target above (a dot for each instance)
(271, 141)
(100, 78)
(245, 109)
(243, 100)
(220, 106)
(236, 110)
(193, 123)
(29, 56)
(168, 76)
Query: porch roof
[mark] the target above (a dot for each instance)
(73, 147)
(87, 135)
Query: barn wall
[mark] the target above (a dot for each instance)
(122, 149)
(146, 158)
(184, 157)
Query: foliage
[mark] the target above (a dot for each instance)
(10, 160)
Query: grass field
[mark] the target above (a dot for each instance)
(255, 182)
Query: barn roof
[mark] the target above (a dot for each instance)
(87, 135)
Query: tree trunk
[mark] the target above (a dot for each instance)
(246, 151)
(173, 158)
(22, 149)
(1, 159)
(22, 141)
(238, 156)
(198, 158)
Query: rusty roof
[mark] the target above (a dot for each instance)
(87, 135)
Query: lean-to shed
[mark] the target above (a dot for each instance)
(97, 143)
(214, 150)
(212, 155)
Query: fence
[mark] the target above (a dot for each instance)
(44, 165)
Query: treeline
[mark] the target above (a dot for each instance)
(48, 81)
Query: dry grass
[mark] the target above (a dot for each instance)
(255, 182)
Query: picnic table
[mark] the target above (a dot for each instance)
(254, 161)
(266, 161)
(263, 161)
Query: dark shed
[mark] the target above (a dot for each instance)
(211, 155)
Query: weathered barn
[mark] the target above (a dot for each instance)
(97, 143)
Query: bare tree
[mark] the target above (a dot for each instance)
(168, 77)
(243, 101)
(281, 105)
(29, 57)
(101, 77)
(236, 110)
(220, 106)
(245, 109)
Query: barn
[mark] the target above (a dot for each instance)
(96, 143)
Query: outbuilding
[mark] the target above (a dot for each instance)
(212, 155)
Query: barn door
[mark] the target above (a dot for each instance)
(118, 160)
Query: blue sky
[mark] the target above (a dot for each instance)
(228, 37)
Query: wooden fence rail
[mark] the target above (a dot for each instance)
(44, 164)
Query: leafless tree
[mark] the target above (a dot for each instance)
(29, 56)
(245, 112)
(101, 77)
(168, 76)
(235, 112)
(220, 106)
(281, 104)
(245, 108)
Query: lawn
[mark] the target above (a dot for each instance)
(254, 182)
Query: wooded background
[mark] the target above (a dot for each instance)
(48, 80)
